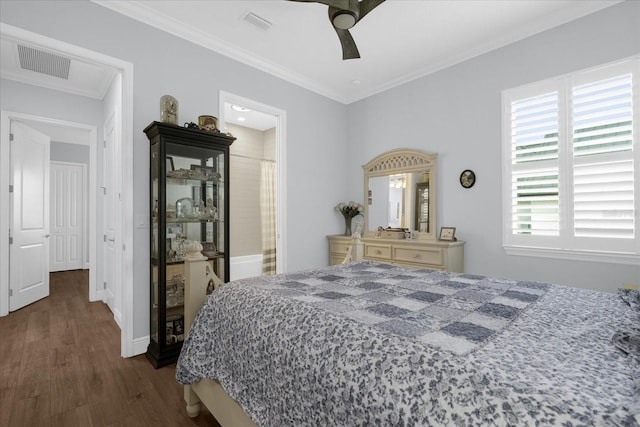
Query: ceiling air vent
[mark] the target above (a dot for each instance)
(256, 20)
(44, 62)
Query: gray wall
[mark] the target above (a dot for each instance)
(23, 98)
(165, 64)
(74, 153)
(457, 114)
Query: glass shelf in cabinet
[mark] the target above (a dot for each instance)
(188, 221)
(192, 181)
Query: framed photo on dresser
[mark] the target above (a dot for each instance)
(448, 234)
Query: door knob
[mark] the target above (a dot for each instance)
(46, 236)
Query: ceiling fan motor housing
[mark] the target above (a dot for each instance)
(343, 15)
(344, 19)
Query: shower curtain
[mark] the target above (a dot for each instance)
(268, 214)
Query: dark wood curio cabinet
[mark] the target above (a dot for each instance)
(189, 178)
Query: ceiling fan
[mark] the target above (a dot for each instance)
(345, 14)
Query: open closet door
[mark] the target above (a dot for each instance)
(29, 234)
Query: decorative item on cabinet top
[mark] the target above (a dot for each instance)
(169, 109)
(208, 123)
(169, 114)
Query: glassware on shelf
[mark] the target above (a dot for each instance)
(175, 290)
(184, 208)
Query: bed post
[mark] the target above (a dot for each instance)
(356, 247)
(356, 243)
(195, 293)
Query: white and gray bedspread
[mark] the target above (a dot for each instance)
(371, 344)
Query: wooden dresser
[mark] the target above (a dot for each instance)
(435, 254)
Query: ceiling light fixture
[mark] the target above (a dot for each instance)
(240, 109)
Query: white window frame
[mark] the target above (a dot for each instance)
(621, 251)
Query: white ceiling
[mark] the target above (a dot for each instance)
(399, 41)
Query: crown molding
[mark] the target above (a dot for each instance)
(534, 27)
(146, 15)
(140, 12)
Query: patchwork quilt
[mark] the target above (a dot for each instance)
(368, 343)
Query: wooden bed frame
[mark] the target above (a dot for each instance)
(209, 392)
(223, 407)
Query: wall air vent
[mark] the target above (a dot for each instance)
(256, 20)
(44, 62)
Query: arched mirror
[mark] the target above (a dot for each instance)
(400, 192)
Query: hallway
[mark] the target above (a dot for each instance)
(60, 365)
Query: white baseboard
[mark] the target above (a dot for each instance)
(117, 316)
(98, 297)
(140, 345)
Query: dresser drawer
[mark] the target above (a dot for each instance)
(426, 256)
(377, 251)
(338, 247)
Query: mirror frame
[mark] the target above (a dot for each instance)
(403, 160)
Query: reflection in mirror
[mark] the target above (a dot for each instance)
(422, 207)
(399, 190)
(387, 201)
(390, 201)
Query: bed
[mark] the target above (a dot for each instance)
(367, 343)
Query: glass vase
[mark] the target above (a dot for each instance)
(347, 225)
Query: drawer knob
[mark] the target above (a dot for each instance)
(416, 256)
(378, 252)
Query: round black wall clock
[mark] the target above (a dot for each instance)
(467, 178)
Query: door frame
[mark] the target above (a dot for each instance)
(128, 346)
(70, 128)
(281, 162)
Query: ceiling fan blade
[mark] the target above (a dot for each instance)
(367, 6)
(349, 48)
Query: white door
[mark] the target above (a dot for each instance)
(29, 248)
(67, 214)
(111, 204)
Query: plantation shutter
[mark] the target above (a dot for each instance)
(570, 165)
(534, 158)
(603, 163)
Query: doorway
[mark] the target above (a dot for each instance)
(121, 99)
(260, 251)
(56, 130)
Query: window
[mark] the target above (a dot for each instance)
(571, 183)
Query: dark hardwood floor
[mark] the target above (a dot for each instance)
(60, 365)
